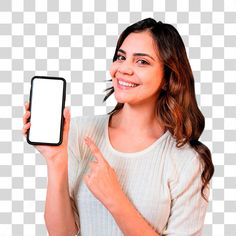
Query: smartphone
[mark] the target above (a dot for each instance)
(47, 102)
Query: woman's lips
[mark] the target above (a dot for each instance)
(126, 81)
(124, 84)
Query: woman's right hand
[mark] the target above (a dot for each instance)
(53, 154)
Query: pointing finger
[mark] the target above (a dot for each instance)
(94, 149)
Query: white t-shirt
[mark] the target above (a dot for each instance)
(162, 181)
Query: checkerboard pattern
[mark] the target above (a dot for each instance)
(76, 40)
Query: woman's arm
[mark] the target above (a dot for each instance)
(130, 221)
(103, 183)
(59, 216)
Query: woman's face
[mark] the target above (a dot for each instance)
(137, 72)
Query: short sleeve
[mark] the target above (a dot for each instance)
(188, 207)
(73, 164)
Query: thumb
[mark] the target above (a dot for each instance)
(66, 114)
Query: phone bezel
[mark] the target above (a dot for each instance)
(62, 109)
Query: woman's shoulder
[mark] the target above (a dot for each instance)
(184, 169)
(82, 126)
(88, 125)
(181, 158)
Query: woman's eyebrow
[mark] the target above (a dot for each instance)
(137, 54)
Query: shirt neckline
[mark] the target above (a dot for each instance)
(132, 154)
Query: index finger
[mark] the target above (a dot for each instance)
(94, 149)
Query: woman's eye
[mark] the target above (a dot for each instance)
(142, 62)
(120, 58)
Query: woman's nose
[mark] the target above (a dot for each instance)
(125, 68)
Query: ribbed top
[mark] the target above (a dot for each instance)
(162, 181)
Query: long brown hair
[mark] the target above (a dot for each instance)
(176, 101)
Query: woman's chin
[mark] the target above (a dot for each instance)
(120, 99)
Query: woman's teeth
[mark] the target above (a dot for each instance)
(126, 84)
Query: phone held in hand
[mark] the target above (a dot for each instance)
(47, 102)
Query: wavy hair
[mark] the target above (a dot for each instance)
(176, 103)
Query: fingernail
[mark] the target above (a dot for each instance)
(86, 140)
(67, 113)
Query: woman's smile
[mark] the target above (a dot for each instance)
(124, 84)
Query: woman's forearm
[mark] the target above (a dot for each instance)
(129, 219)
(59, 216)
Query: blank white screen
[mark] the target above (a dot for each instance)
(46, 105)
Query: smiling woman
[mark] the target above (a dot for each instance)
(140, 169)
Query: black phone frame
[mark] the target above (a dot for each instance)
(62, 109)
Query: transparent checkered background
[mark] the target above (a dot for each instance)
(76, 40)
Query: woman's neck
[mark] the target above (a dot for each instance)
(135, 120)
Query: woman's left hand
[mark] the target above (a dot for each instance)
(101, 179)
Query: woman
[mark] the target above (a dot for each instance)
(139, 170)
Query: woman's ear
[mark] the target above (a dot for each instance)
(164, 87)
